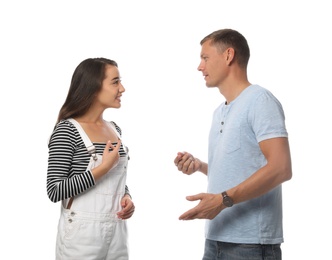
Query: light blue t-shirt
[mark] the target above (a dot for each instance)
(234, 155)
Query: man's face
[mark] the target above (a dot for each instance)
(213, 65)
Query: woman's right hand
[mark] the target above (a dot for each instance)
(111, 158)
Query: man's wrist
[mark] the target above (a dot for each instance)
(227, 201)
(200, 164)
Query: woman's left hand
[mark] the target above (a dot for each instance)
(128, 208)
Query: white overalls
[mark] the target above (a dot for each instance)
(90, 229)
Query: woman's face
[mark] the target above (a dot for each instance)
(112, 88)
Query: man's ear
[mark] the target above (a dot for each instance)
(229, 55)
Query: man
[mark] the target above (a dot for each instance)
(248, 158)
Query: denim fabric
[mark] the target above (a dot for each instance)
(215, 250)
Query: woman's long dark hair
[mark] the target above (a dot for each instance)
(86, 82)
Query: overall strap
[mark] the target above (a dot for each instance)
(88, 144)
(112, 125)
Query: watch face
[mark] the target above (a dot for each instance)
(227, 201)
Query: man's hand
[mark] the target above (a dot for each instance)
(209, 207)
(186, 163)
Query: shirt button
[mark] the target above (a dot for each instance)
(222, 123)
(220, 130)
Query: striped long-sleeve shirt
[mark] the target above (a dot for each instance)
(67, 173)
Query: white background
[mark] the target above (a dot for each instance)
(166, 108)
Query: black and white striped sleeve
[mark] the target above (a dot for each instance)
(67, 162)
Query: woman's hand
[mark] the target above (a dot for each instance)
(128, 208)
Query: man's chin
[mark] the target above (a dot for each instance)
(209, 85)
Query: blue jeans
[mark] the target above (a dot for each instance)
(215, 250)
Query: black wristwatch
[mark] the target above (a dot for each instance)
(226, 200)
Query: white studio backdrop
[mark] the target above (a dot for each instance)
(166, 108)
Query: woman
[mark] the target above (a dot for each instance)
(87, 167)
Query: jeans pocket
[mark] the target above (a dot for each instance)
(71, 228)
